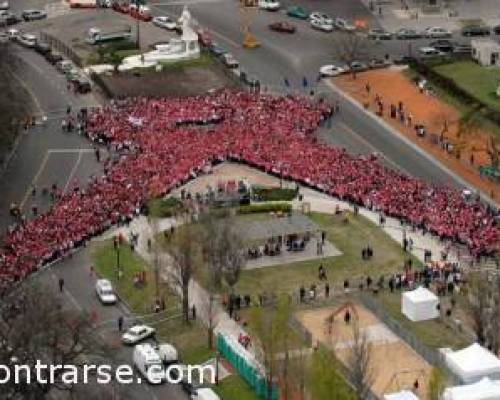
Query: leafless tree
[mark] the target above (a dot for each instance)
(35, 326)
(359, 362)
(349, 47)
(477, 301)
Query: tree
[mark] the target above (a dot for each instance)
(477, 300)
(358, 362)
(349, 48)
(437, 384)
(183, 250)
(323, 379)
(34, 325)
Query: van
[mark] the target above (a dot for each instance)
(105, 291)
(64, 66)
(205, 394)
(148, 362)
(168, 354)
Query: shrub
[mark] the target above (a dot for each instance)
(274, 194)
(265, 208)
(165, 208)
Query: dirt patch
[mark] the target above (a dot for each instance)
(190, 81)
(394, 365)
(392, 87)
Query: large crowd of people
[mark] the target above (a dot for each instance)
(162, 143)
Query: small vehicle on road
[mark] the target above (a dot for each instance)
(436, 32)
(96, 35)
(4, 5)
(269, 5)
(54, 57)
(13, 33)
(357, 66)
(331, 71)
(103, 287)
(27, 40)
(376, 63)
(7, 18)
(343, 25)
(148, 362)
(165, 23)
(321, 25)
(475, 30)
(443, 45)
(379, 34)
(496, 30)
(216, 50)
(405, 33)
(33, 15)
(282, 26)
(229, 61)
(42, 48)
(138, 333)
(82, 85)
(430, 52)
(64, 66)
(462, 49)
(319, 16)
(297, 12)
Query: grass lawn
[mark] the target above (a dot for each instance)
(234, 388)
(349, 238)
(478, 81)
(433, 333)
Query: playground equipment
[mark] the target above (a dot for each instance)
(248, 12)
(348, 309)
(409, 379)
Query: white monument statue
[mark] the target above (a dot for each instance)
(184, 48)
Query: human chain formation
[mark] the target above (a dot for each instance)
(162, 143)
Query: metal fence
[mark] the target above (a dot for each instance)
(58, 45)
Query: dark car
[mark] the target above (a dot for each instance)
(7, 19)
(54, 57)
(462, 49)
(32, 15)
(496, 30)
(405, 33)
(82, 85)
(379, 34)
(282, 26)
(443, 45)
(42, 48)
(402, 60)
(476, 30)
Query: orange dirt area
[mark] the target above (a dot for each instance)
(441, 122)
(394, 365)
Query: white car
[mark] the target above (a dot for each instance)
(138, 333)
(165, 22)
(13, 33)
(105, 292)
(331, 70)
(27, 40)
(4, 5)
(4, 37)
(269, 5)
(437, 32)
(342, 24)
(430, 52)
(204, 394)
(321, 25)
(319, 16)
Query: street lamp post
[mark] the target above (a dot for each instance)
(118, 267)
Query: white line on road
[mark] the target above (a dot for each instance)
(73, 171)
(69, 151)
(29, 90)
(35, 179)
(67, 293)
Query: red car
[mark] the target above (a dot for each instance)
(120, 7)
(282, 26)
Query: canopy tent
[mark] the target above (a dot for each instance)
(403, 395)
(485, 389)
(420, 304)
(473, 363)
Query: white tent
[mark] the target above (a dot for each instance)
(420, 304)
(485, 389)
(403, 395)
(473, 363)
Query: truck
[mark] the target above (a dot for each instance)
(97, 35)
(83, 3)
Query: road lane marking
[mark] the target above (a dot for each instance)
(69, 151)
(73, 171)
(35, 179)
(67, 293)
(29, 90)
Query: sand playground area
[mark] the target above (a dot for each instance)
(393, 87)
(394, 365)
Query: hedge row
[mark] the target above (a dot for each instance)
(274, 194)
(265, 208)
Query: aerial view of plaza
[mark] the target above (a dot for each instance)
(250, 199)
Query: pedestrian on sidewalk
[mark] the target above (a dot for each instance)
(193, 312)
(120, 323)
(61, 285)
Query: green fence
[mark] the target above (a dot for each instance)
(248, 372)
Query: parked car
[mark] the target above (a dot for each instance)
(13, 33)
(32, 15)
(4, 5)
(357, 66)
(64, 65)
(269, 5)
(430, 52)
(103, 287)
(496, 30)
(331, 70)
(165, 22)
(282, 26)
(27, 40)
(297, 12)
(321, 25)
(54, 57)
(443, 45)
(462, 49)
(379, 34)
(319, 16)
(216, 50)
(405, 33)
(475, 30)
(402, 60)
(7, 18)
(343, 25)
(42, 48)
(83, 85)
(148, 362)
(229, 61)
(375, 63)
(138, 333)
(437, 32)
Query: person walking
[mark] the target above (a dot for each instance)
(61, 285)
(120, 323)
